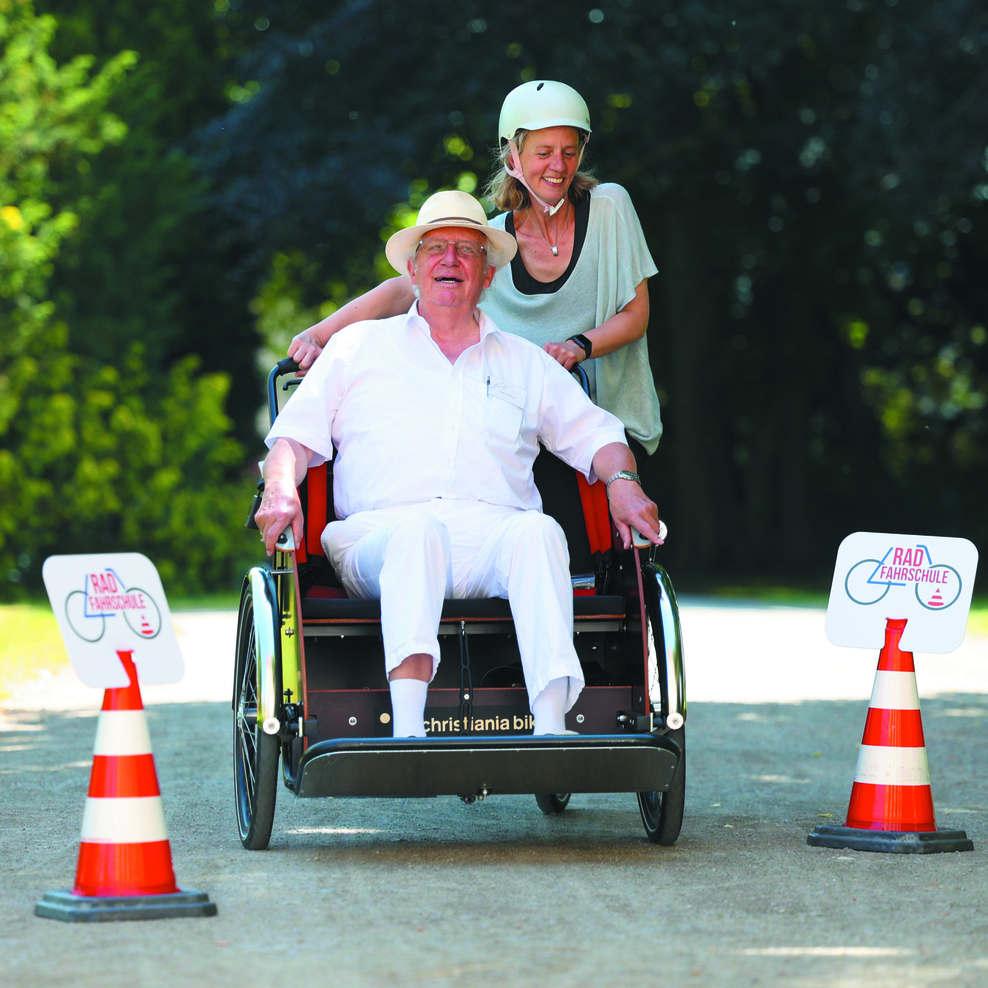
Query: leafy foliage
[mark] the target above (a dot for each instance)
(93, 456)
(107, 461)
(809, 176)
(145, 266)
(48, 116)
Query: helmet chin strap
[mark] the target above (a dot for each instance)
(519, 176)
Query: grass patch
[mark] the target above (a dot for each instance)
(226, 601)
(792, 596)
(29, 642)
(977, 622)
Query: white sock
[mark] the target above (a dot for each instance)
(548, 707)
(408, 707)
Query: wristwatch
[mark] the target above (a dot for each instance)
(585, 342)
(623, 475)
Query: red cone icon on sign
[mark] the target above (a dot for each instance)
(125, 867)
(936, 600)
(891, 806)
(146, 628)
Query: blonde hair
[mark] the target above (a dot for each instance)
(508, 194)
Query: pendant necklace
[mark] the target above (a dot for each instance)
(553, 247)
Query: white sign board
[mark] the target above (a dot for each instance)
(922, 578)
(110, 602)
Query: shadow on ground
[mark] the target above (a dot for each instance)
(439, 892)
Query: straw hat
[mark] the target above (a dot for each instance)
(446, 209)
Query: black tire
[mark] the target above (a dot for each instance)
(552, 802)
(255, 754)
(662, 812)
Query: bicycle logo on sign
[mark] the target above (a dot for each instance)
(103, 596)
(936, 585)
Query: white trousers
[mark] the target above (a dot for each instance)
(412, 557)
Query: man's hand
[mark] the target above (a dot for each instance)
(632, 509)
(284, 470)
(303, 350)
(568, 353)
(279, 509)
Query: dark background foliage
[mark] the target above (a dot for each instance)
(147, 266)
(810, 177)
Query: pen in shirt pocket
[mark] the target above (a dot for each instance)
(488, 385)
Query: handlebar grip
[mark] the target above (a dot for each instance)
(254, 505)
(287, 366)
(581, 378)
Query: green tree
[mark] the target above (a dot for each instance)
(50, 117)
(148, 264)
(809, 176)
(92, 456)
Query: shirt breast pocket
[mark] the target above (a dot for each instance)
(504, 410)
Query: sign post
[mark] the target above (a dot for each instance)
(899, 593)
(114, 619)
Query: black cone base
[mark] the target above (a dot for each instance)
(104, 909)
(891, 841)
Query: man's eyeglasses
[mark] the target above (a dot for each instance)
(435, 247)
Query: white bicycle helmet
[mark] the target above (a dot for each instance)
(539, 104)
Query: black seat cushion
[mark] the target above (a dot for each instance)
(560, 493)
(334, 608)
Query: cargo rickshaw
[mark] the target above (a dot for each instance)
(310, 689)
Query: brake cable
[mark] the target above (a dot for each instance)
(466, 680)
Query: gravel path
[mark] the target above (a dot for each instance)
(434, 892)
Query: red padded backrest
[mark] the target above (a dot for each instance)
(593, 499)
(315, 509)
(595, 513)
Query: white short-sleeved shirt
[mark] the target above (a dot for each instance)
(409, 426)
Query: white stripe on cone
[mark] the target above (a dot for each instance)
(895, 691)
(123, 820)
(879, 765)
(122, 732)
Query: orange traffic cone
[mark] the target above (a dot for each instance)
(125, 865)
(891, 807)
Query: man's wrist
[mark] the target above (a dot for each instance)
(623, 475)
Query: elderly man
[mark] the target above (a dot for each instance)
(435, 417)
